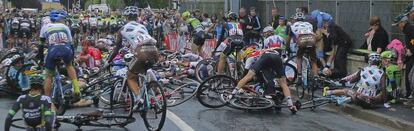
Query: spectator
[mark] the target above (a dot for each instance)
(281, 28)
(319, 17)
(275, 18)
(244, 21)
(408, 30)
(253, 29)
(377, 37)
(341, 43)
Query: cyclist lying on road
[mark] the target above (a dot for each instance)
(268, 60)
(370, 80)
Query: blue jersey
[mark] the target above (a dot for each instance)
(320, 17)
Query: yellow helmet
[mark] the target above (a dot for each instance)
(186, 15)
(248, 51)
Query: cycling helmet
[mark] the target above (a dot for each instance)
(374, 59)
(57, 15)
(248, 51)
(36, 81)
(111, 38)
(299, 16)
(131, 11)
(232, 16)
(90, 38)
(186, 15)
(268, 29)
(388, 55)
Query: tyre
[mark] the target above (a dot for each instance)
(176, 95)
(123, 101)
(213, 92)
(154, 108)
(205, 69)
(105, 95)
(252, 103)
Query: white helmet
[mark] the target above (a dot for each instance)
(268, 29)
(299, 16)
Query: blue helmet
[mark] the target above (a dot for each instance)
(56, 15)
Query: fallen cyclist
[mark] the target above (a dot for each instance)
(370, 81)
(36, 108)
(271, 64)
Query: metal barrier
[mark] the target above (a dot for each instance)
(175, 42)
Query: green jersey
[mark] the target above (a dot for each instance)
(195, 23)
(393, 76)
(281, 31)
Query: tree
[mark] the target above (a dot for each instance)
(115, 4)
(27, 4)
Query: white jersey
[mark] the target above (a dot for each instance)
(301, 28)
(274, 41)
(370, 80)
(56, 33)
(93, 21)
(134, 33)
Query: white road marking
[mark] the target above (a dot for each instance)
(177, 121)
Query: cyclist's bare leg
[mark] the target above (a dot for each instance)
(221, 64)
(132, 83)
(299, 65)
(73, 77)
(48, 86)
(249, 76)
(315, 69)
(338, 92)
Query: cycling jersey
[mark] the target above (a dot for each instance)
(134, 33)
(281, 31)
(393, 77)
(35, 109)
(195, 24)
(370, 80)
(234, 28)
(274, 41)
(95, 55)
(59, 39)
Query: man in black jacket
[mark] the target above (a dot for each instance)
(341, 43)
(254, 27)
(244, 21)
(408, 30)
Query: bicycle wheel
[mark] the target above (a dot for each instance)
(178, 95)
(316, 102)
(205, 69)
(290, 72)
(18, 123)
(122, 102)
(213, 92)
(252, 103)
(154, 107)
(113, 84)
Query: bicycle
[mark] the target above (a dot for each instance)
(308, 80)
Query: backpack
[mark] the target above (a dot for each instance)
(398, 48)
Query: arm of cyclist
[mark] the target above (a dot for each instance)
(355, 77)
(15, 108)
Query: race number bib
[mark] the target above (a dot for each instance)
(58, 38)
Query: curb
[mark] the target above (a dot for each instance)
(371, 116)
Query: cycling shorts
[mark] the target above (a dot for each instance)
(199, 38)
(146, 56)
(270, 62)
(56, 52)
(310, 50)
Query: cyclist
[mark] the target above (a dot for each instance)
(105, 44)
(233, 30)
(93, 25)
(141, 43)
(90, 56)
(14, 30)
(59, 39)
(101, 26)
(370, 81)
(197, 28)
(305, 38)
(271, 42)
(270, 63)
(85, 23)
(36, 108)
(393, 83)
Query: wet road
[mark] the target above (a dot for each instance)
(193, 116)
